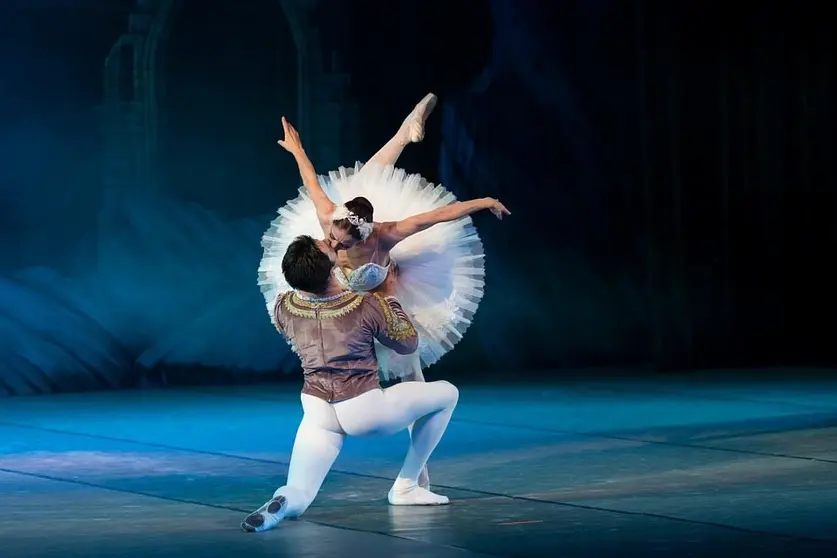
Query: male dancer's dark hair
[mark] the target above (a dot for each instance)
(305, 266)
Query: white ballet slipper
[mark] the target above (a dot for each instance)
(408, 493)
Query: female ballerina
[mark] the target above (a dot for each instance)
(421, 233)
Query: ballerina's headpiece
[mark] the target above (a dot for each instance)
(363, 226)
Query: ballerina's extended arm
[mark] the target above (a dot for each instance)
(396, 231)
(293, 145)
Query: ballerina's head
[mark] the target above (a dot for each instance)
(351, 223)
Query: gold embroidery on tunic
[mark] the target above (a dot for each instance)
(397, 328)
(327, 309)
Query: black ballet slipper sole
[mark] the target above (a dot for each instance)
(254, 522)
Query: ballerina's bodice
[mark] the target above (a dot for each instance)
(364, 278)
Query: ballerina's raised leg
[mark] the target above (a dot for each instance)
(411, 131)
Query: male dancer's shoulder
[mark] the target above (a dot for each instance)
(291, 304)
(398, 324)
(278, 304)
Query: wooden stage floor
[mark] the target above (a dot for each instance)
(703, 464)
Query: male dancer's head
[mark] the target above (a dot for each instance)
(307, 266)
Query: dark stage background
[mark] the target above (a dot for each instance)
(669, 166)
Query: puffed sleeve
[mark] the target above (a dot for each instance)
(389, 324)
(278, 315)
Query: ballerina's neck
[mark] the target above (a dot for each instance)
(362, 254)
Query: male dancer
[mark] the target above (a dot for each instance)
(332, 331)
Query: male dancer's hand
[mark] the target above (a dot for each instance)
(291, 143)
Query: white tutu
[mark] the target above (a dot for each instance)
(440, 270)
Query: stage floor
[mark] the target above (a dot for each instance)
(692, 465)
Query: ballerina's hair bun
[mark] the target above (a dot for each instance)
(361, 207)
(356, 217)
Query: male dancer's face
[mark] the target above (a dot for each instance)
(326, 249)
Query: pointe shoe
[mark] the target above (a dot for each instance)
(412, 129)
(266, 517)
(411, 494)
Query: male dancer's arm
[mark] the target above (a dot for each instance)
(279, 320)
(389, 324)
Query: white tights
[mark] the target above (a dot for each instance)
(319, 439)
